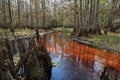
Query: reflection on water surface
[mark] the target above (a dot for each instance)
(75, 61)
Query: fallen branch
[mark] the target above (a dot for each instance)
(25, 57)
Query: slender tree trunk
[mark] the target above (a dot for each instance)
(81, 19)
(27, 14)
(97, 16)
(75, 17)
(0, 11)
(19, 20)
(86, 12)
(32, 21)
(10, 17)
(55, 12)
(4, 22)
(36, 6)
(44, 14)
(97, 11)
(90, 19)
(93, 13)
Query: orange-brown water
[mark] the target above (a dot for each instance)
(93, 58)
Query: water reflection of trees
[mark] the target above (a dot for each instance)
(56, 44)
(81, 54)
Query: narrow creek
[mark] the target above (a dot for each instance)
(75, 61)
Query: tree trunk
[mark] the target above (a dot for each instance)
(19, 20)
(110, 18)
(10, 17)
(44, 14)
(81, 20)
(97, 15)
(31, 14)
(55, 12)
(75, 17)
(36, 7)
(86, 12)
(4, 22)
(90, 19)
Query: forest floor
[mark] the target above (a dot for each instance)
(6, 32)
(18, 32)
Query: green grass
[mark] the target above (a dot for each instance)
(16, 58)
(105, 40)
(67, 30)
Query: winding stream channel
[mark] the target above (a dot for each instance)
(75, 61)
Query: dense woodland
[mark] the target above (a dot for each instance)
(86, 16)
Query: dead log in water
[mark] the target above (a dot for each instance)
(38, 64)
(23, 59)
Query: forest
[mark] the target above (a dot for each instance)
(88, 16)
(41, 39)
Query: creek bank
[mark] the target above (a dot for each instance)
(102, 46)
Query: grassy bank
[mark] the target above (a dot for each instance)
(67, 30)
(111, 40)
(108, 41)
